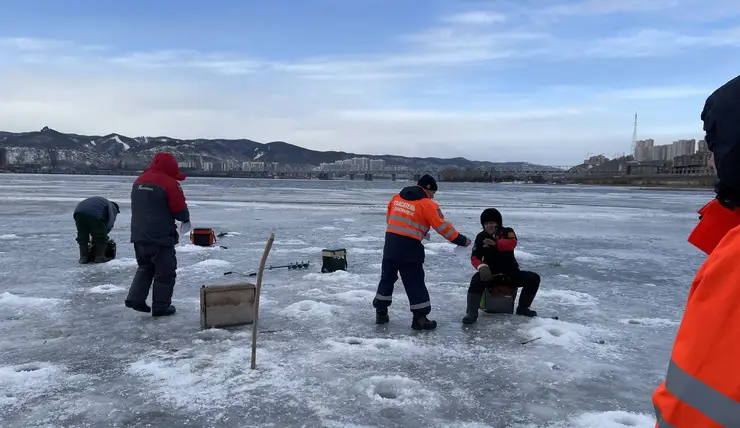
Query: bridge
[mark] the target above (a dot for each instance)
(442, 173)
(547, 174)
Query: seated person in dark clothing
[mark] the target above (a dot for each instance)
(493, 257)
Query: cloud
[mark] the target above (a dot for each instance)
(606, 7)
(477, 83)
(475, 17)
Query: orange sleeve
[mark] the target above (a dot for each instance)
(433, 215)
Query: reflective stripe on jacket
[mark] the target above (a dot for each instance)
(702, 386)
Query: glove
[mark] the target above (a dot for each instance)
(727, 196)
(485, 272)
(184, 228)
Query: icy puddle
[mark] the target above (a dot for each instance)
(71, 355)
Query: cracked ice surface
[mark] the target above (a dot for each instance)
(615, 265)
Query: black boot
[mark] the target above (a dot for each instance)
(381, 317)
(471, 312)
(83, 253)
(141, 307)
(170, 310)
(525, 301)
(421, 322)
(99, 248)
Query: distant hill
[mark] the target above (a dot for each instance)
(611, 165)
(73, 149)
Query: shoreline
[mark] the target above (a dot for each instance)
(654, 182)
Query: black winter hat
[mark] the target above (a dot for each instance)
(428, 182)
(721, 119)
(116, 205)
(491, 214)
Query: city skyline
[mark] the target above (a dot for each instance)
(481, 80)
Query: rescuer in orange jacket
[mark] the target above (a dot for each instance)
(702, 386)
(409, 216)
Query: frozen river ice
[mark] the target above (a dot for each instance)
(615, 266)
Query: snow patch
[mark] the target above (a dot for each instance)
(524, 255)
(21, 302)
(22, 383)
(554, 332)
(106, 289)
(568, 297)
(590, 259)
(120, 263)
(355, 296)
(118, 140)
(439, 246)
(364, 251)
(316, 250)
(209, 264)
(612, 419)
(209, 376)
(311, 308)
(336, 276)
(191, 248)
(354, 238)
(397, 390)
(373, 347)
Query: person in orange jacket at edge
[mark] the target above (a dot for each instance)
(409, 216)
(702, 386)
(493, 258)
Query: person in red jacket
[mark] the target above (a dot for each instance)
(493, 257)
(702, 385)
(157, 200)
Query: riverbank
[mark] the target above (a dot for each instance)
(673, 182)
(669, 182)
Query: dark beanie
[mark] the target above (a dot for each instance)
(428, 182)
(491, 214)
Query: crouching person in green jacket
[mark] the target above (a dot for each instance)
(94, 217)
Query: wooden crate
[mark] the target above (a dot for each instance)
(227, 305)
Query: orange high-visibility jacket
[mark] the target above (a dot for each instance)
(414, 218)
(702, 387)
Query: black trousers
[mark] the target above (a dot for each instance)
(528, 281)
(157, 266)
(89, 226)
(412, 275)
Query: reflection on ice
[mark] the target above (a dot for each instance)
(72, 355)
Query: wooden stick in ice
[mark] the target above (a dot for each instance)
(258, 287)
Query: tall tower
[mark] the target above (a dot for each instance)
(634, 135)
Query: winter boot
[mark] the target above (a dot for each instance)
(381, 317)
(525, 300)
(163, 312)
(421, 322)
(471, 312)
(83, 253)
(141, 307)
(99, 252)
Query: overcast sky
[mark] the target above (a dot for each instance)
(542, 81)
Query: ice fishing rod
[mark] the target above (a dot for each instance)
(290, 266)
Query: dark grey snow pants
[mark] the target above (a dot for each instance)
(157, 265)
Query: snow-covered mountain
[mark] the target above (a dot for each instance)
(72, 149)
